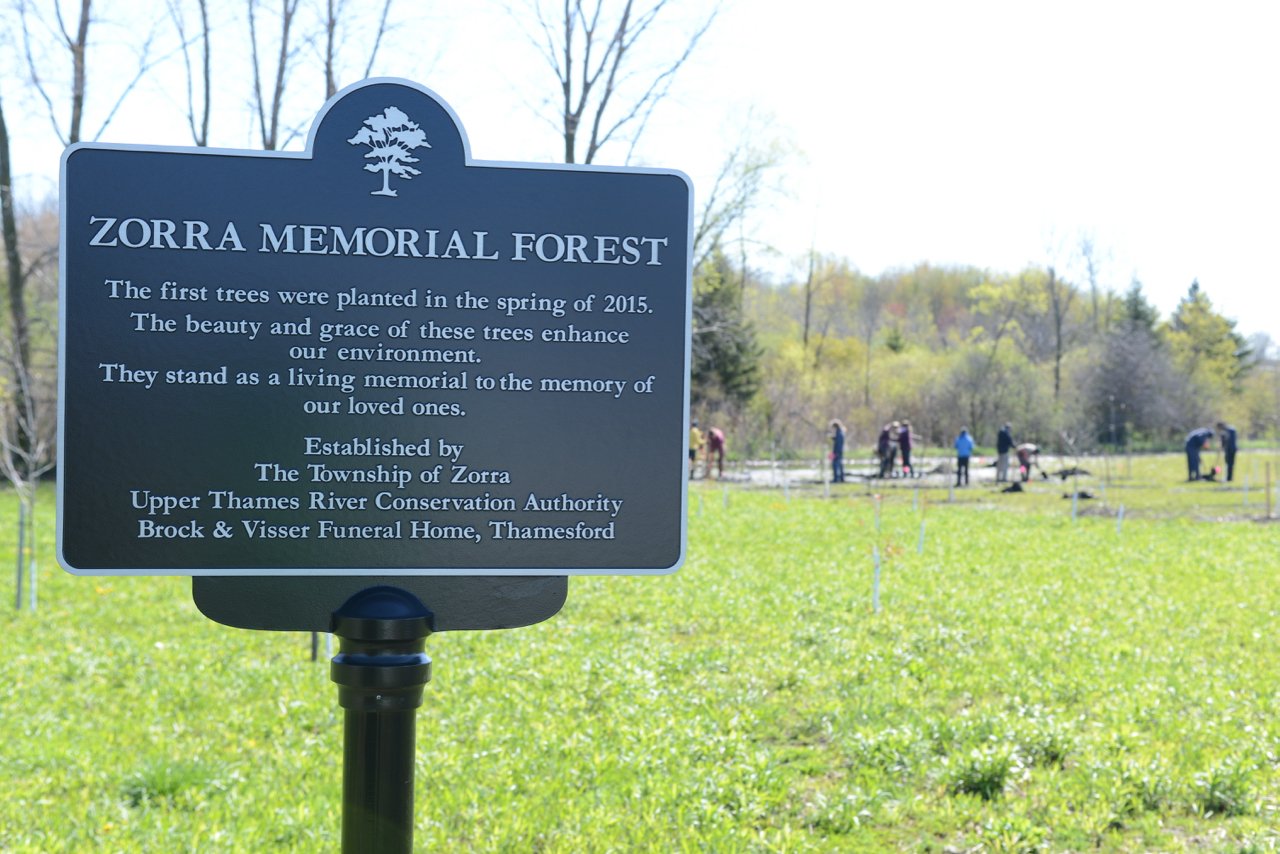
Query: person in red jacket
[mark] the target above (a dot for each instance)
(715, 448)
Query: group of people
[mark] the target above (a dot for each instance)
(1026, 453)
(713, 441)
(1200, 439)
(895, 439)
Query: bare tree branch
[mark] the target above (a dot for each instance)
(79, 49)
(377, 39)
(592, 55)
(336, 36)
(144, 66)
(77, 46)
(330, 32)
(269, 122)
(26, 434)
(33, 71)
(200, 133)
(736, 190)
(19, 340)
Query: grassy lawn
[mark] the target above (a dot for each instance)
(1029, 683)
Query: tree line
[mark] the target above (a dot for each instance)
(1073, 366)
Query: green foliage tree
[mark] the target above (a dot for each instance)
(1257, 409)
(952, 346)
(1206, 347)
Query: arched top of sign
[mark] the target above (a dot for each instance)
(395, 130)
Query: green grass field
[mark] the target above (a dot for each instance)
(1029, 683)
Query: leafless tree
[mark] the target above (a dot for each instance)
(26, 453)
(606, 92)
(15, 272)
(269, 104)
(870, 307)
(1090, 261)
(809, 285)
(200, 128)
(1060, 294)
(43, 23)
(336, 34)
(741, 184)
(21, 269)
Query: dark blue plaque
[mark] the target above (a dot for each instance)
(375, 357)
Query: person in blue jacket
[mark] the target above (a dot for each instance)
(964, 450)
(1227, 435)
(1197, 441)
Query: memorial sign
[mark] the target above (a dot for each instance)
(375, 357)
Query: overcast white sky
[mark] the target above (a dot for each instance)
(984, 133)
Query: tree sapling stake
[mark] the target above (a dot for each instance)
(875, 580)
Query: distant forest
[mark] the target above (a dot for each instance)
(1072, 366)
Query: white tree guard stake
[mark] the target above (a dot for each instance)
(22, 552)
(915, 499)
(1075, 500)
(1120, 519)
(920, 545)
(875, 582)
(725, 497)
(951, 492)
(1268, 490)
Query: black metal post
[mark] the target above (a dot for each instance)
(381, 670)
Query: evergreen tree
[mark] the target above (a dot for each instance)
(1139, 314)
(726, 357)
(1206, 346)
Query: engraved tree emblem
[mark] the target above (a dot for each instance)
(390, 137)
